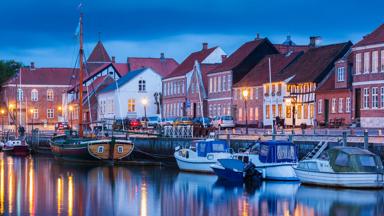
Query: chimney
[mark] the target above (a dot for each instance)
(162, 56)
(205, 46)
(257, 36)
(314, 41)
(223, 57)
(113, 59)
(32, 65)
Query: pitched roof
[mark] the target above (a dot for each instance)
(377, 36)
(259, 74)
(187, 65)
(236, 58)
(205, 69)
(99, 54)
(123, 80)
(285, 48)
(43, 76)
(316, 63)
(163, 66)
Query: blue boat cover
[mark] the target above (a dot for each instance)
(278, 152)
(209, 146)
(232, 164)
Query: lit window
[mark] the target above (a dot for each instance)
(35, 113)
(333, 105)
(267, 112)
(34, 95)
(50, 95)
(131, 105)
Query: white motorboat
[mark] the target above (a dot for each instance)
(273, 159)
(343, 167)
(201, 154)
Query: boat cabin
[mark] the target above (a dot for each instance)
(203, 147)
(277, 151)
(353, 159)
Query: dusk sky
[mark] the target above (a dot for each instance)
(43, 30)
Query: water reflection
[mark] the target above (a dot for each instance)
(43, 186)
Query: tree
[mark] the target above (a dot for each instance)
(8, 69)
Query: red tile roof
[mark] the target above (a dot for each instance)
(163, 66)
(99, 54)
(187, 65)
(44, 76)
(283, 48)
(259, 74)
(377, 36)
(328, 85)
(238, 56)
(316, 63)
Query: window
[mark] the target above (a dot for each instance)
(280, 110)
(141, 85)
(340, 74)
(251, 94)
(240, 114)
(120, 149)
(382, 60)
(348, 104)
(366, 62)
(224, 83)
(273, 110)
(235, 94)
(35, 113)
(375, 61)
(341, 105)
(382, 97)
(50, 113)
(50, 95)
(333, 109)
(367, 160)
(299, 111)
(375, 98)
(256, 92)
(34, 95)
(219, 84)
(214, 84)
(192, 88)
(366, 98)
(100, 149)
(182, 87)
(320, 106)
(311, 110)
(305, 111)
(20, 94)
(287, 112)
(251, 113)
(342, 159)
(131, 105)
(256, 113)
(267, 90)
(358, 63)
(229, 82)
(267, 112)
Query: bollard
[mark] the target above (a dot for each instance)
(366, 139)
(228, 140)
(344, 138)
(293, 131)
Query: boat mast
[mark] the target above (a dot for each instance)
(81, 78)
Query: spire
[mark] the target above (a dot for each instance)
(99, 54)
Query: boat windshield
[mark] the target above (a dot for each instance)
(205, 147)
(277, 152)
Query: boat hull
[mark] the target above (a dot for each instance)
(93, 150)
(21, 150)
(348, 180)
(195, 166)
(228, 174)
(278, 172)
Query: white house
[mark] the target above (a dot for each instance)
(126, 98)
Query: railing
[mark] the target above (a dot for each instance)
(182, 131)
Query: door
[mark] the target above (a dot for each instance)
(357, 103)
(194, 105)
(326, 111)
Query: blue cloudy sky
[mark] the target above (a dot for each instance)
(43, 30)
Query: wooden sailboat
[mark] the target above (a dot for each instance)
(78, 147)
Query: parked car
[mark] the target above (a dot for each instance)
(183, 121)
(167, 121)
(203, 121)
(153, 121)
(61, 126)
(223, 122)
(134, 124)
(120, 124)
(143, 121)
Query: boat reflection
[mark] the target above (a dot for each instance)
(43, 186)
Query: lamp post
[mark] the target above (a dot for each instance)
(32, 116)
(145, 102)
(2, 111)
(245, 96)
(71, 113)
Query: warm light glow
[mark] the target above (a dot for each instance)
(143, 200)
(2, 187)
(31, 111)
(70, 195)
(2, 111)
(144, 101)
(70, 108)
(245, 93)
(59, 108)
(59, 194)
(288, 102)
(31, 185)
(10, 185)
(11, 106)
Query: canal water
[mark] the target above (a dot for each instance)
(44, 186)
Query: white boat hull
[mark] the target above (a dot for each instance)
(281, 172)
(350, 180)
(198, 164)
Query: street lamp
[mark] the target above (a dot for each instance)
(71, 113)
(245, 96)
(144, 101)
(32, 116)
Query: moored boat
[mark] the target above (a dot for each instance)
(201, 154)
(343, 167)
(235, 170)
(16, 147)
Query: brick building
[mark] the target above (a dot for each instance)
(35, 95)
(180, 98)
(232, 70)
(368, 79)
